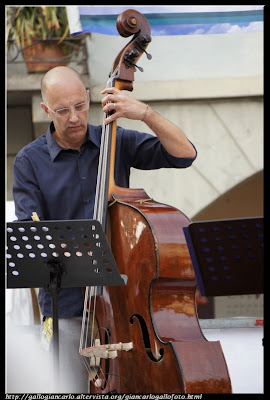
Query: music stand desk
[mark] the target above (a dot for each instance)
(227, 255)
(59, 254)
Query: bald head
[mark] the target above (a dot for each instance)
(58, 77)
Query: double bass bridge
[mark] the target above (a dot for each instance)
(98, 351)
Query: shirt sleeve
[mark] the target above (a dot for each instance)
(145, 151)
(179, 162)
(26, 192)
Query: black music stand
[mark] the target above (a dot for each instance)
(227, 255)
(55, 254)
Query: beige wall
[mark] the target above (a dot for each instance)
(228, 135)
(243, 200)
(212, 87)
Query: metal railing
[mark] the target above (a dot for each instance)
(75, 52)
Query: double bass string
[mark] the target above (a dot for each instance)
(99, 214)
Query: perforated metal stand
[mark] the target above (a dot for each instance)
(55, 254)
(227, 255)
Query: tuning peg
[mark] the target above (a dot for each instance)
(142, 42)
(137, 66)
(148, 55)
(130, 57)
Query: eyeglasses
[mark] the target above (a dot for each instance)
(64, 112)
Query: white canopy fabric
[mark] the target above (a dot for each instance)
(19, 306)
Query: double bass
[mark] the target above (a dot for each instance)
(145, 336)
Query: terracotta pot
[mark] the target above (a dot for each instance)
(39, 52)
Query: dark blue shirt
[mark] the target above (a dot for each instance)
(59, 184)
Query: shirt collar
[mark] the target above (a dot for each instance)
(54, 148)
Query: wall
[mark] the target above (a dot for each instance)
(212, 87)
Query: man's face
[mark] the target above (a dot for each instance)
(70, 130)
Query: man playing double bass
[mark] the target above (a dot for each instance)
(55, 176)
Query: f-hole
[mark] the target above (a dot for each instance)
(146, 338)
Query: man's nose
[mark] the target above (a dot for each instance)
(73, 114)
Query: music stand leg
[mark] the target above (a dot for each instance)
(54, 289)
(55, 338)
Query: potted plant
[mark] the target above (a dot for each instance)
(39, 33)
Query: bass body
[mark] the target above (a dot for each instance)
(156, 310)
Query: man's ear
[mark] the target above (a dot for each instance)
(45, 108)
